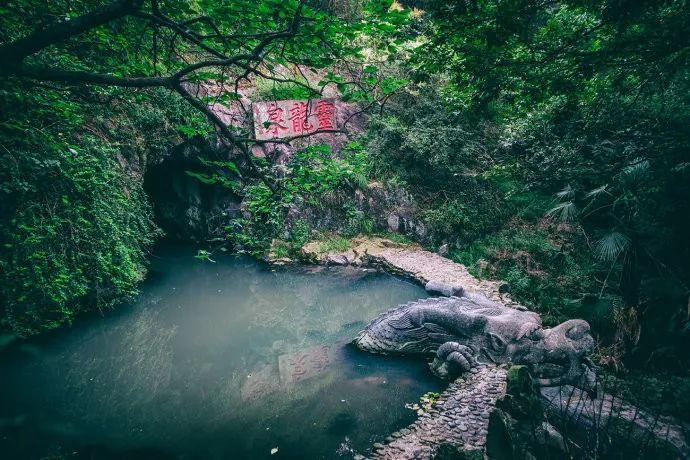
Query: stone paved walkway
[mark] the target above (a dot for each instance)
(436, 273)
(460, 418)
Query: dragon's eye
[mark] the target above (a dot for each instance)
(497, 343)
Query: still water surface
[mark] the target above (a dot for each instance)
(224, 360)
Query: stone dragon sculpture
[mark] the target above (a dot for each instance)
(467, 331)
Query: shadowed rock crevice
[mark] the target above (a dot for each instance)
(186, 208)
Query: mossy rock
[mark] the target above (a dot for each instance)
(522, 398)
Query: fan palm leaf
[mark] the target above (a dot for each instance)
(611, 245)
(565, 212)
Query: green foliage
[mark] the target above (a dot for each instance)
(442, 158)
(659, 393)
(204, 255)
(543, 265)
(264, 221)
(76, 234)
(300, 233)
(395, 237)
(269, 90)
(356, 221)
(281, 249)
(330, 242)
(314, 178)
(315, 172)
(588, 103)
(75, 223)
(520, 58)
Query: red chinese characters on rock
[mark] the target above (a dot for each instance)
(309, 364)
(275, 120)
(321, 358)
(298, 365)
(286, 119)
(325, 115)
(299, 118)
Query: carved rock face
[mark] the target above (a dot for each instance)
(563, 353)
(495, 334)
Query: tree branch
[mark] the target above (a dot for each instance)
(224, 130)
(71, 77)
(14, 52)
(166, 22)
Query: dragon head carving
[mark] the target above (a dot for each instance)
(490, 332)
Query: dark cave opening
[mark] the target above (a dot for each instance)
(185, 208)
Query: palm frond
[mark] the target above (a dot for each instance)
(611, 245)
(568, 193)
(598, 191)
(565, 212)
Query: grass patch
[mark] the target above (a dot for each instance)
(281, 249)
(332, 243)
(395, 237)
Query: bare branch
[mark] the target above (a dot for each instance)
(166, 22)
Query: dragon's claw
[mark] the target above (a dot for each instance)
(452, 359)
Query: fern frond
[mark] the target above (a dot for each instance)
(360, 181)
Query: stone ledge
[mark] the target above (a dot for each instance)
(436, 273)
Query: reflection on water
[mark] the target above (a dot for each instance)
(224, 360)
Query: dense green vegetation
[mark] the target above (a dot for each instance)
(559, 143)
(314, 179)
(76, 225)
(94, 92)
(546, 144)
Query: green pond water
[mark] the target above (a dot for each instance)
(225, 360)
